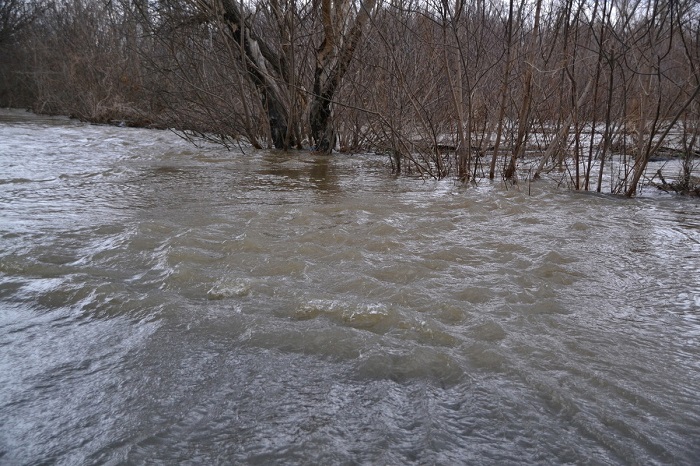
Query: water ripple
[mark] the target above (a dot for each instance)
(172, 304)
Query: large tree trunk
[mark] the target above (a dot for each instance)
(263, 66)
(332, 61)
(322, 129)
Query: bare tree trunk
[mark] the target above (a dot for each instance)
(456, 90)
(524, 115)
(332, 62)
(262, 65)
(504, 90)
(643, 159)
(607, 135)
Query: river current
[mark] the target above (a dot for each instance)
(162, 303)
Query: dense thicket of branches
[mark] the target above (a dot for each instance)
(596, 88)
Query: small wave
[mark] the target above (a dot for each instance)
(229, 288)
(24, 181)
(355, 315)
(422, 363)
(380, 319)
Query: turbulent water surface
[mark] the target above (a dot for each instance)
(163, 303)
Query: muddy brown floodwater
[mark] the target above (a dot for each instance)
(163, 303)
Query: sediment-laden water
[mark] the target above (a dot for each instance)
(163, 303)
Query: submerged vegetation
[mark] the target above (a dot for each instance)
(594, 89)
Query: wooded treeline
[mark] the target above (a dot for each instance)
(596, 88)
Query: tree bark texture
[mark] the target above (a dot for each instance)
(332, 61)
(263, 66)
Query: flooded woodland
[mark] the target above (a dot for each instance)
(444, 89)
(349, 232)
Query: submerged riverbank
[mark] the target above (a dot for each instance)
(671, 170)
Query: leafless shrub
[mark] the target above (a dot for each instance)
(446, 88)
